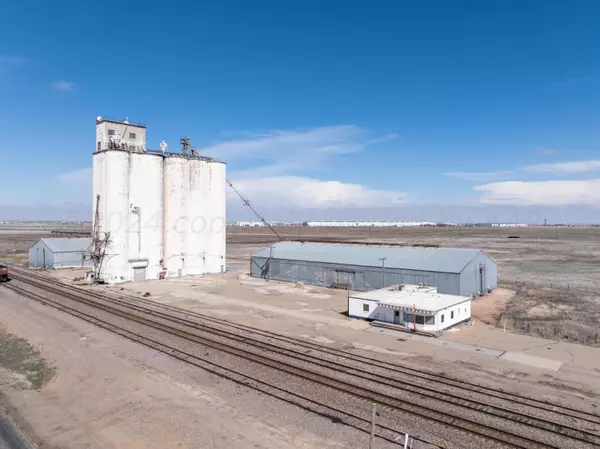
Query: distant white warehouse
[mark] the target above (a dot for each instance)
(453, 271)
(366, 224)
(414, 307)
(53, 253)
(250, 224)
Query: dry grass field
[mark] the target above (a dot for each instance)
(17, 238)
(554, 272)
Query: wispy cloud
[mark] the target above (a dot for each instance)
(278, 158)
(64, 86)
(482, 176)
(547, 193)
(276, 161)
(81, 176)
(306, 193)
(10, 63)
(565, 167)
(279, 152)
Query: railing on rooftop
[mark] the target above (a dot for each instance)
(123, 120)
(136, 148)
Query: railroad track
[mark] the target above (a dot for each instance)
(150, 306)
(366, 374)
(429, 377)
(235, 376)
(489, 432)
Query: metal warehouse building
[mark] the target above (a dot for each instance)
(453, 271)
(60, 253)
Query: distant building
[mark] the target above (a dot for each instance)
(454, 271)
(366, 224)
(56, 253)
(412, 306)
(250, 224)
(509, 225)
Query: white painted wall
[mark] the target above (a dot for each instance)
(217, 201)
(124, 131)
(355, 309)
(145, 214)
(376, 312)
(199, 218)
(176, 209)
(461, 311)
(111, 181)
(130, 185)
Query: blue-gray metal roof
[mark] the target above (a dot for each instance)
(66, 245)
(446, 260)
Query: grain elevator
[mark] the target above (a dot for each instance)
(156, 213)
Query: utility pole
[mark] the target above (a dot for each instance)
(415, 318)
(382, 271)
(247, 203)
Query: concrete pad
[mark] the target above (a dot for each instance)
(437, 342)
(531, 360)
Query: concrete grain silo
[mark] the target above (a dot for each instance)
(154, 210)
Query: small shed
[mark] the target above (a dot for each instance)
(53, 253)
(411, 306)
(360, 267)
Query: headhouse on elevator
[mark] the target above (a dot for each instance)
(453, 271)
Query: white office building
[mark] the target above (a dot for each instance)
(414, 307)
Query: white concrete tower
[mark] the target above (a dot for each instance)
(127, 187)
(157, 214)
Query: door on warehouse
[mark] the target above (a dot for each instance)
(139, 274)
(359, 281)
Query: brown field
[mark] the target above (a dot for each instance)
(554, 272)
(548, 279)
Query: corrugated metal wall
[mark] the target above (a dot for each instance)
(473, 282)
(360, 278)
(40, 254)
(70, 260)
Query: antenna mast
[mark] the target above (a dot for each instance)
(247, 203)
(98, 243)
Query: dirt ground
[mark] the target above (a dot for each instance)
(17, 238)
(100, 391)
(110, 393)
(14, 246)
(155, 402)
(490, 308)
(319, 314)
(561, 264)
(540, 255)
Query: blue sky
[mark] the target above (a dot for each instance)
(322, 109)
